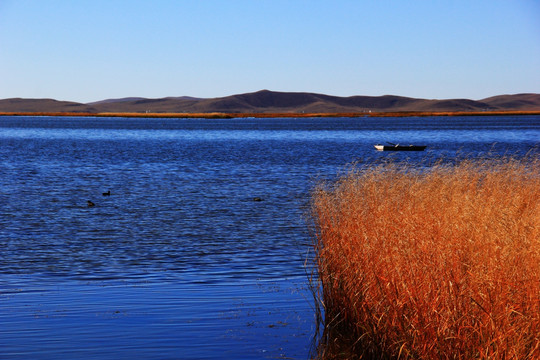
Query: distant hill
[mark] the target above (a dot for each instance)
(266, 101)
(109, 101)
(43, 105)
(518, 102)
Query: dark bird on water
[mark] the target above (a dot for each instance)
(90, 204)
(107, 193)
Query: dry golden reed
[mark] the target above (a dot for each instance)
(440, 263)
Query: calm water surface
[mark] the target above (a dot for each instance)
(180, 262)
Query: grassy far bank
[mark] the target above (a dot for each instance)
(219, 115)
(440, 264)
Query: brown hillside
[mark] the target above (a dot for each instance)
(524, 102)
(267, 102)
(43, 105)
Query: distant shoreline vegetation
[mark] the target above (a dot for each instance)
(220, 115)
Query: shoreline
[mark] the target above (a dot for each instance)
(219, 115)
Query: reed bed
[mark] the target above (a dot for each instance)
(439, 263)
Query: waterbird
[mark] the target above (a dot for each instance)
(90, 204)
(107, 193)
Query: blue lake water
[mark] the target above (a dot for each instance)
(180, 262)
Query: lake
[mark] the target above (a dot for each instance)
(199, 251)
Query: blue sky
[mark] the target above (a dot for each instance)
(89, 50)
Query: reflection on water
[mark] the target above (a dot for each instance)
(180, 261)
(153, 319)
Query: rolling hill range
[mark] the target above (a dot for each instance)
(266, 101)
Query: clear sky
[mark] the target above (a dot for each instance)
(89, 50)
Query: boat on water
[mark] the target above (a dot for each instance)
(398, 147)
